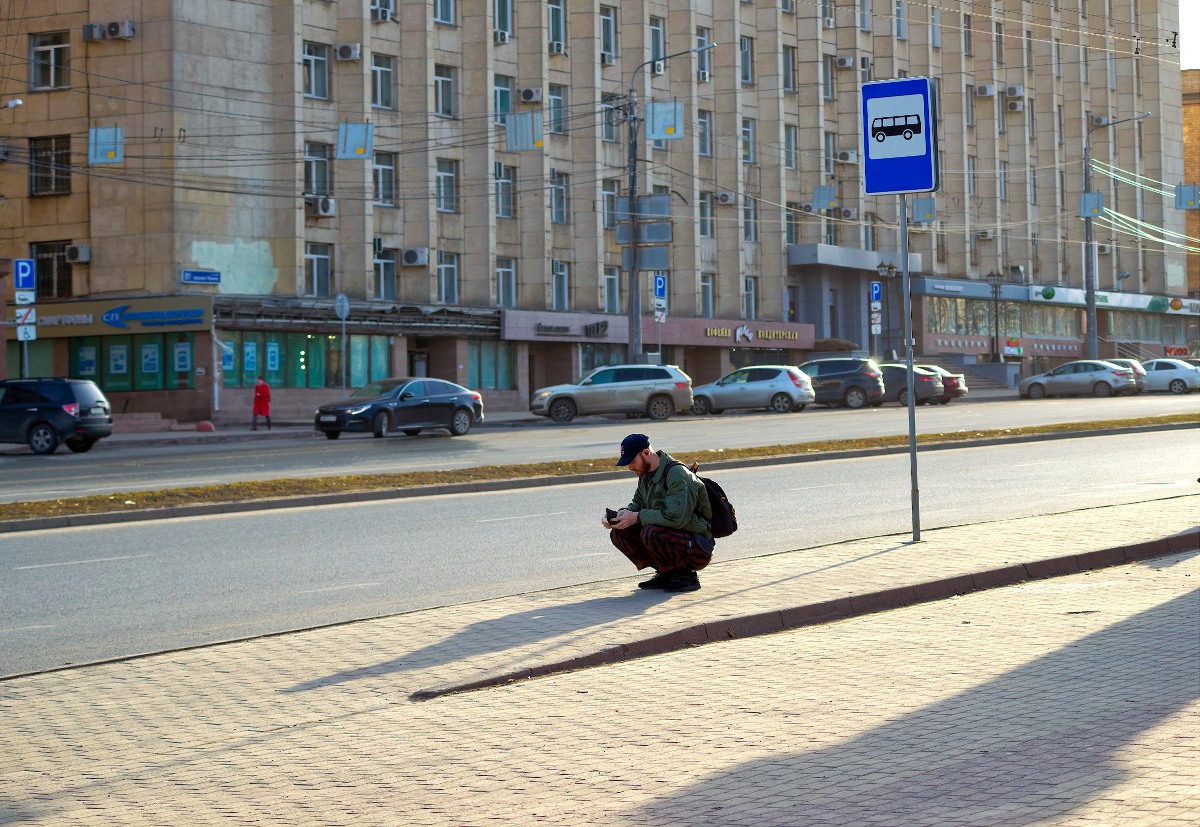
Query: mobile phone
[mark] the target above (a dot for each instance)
(610, 515)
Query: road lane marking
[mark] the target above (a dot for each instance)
(23, 629)
(80, 562)
(1032, 464)
(830, 485)
(520, 517)
(593, 554)
(339, 588)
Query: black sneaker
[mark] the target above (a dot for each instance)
(683, 581)
(658, 581)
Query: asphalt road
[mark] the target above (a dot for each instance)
(112, 467)
(83, 594)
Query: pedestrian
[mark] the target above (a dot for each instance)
(262, 404)
(667, 524)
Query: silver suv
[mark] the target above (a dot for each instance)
(654, 390)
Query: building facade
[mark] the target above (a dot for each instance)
(207, 246)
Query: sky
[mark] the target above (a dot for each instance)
(1189, 34)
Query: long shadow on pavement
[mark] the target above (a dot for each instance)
(1027, 747)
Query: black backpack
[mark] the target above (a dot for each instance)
(724, 515)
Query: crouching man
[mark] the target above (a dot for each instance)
(666, 527)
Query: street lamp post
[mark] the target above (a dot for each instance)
(1089, 256)
(887, 272)
(996, 280)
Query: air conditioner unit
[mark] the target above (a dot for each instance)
(414, 256)
(1015, 106)
(531, 94)
(1099, 120)
(864, 63)
(557, 47)
(500, 36)
(986, 235)
(607, 59)
(845, 63)
(93, 31)
(79, 253)
(702, 76)
(806, 207)
(349, 51)
(850, 213)
(985, 90)
(848, 156)
(830, 23)
(120, 30)
(1014, 92)
(322, 206)
(659, 67)
(1103, 249)
(381, 15)
(726, 197)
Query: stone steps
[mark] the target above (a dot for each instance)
(145, 422)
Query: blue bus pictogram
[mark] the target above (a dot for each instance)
(902, 125)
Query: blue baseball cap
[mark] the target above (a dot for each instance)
(631, 446)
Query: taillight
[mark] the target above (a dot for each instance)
(72, 409)
(476, 397)
(925, 378)
(681, 386)
(871, 374)
(1120, 373)
(796, 380)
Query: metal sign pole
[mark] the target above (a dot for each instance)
(910, 377)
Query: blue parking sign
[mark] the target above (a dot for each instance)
(876, 291)
(660, 286)
(899, 129)
(24, 275)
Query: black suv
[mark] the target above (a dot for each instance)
(45, 412)
(849, 381)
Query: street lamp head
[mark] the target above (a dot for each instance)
(886, 271)
(994, 278)
(13, 104)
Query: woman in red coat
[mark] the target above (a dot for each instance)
(262, 404)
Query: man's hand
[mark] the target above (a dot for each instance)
(625, 519)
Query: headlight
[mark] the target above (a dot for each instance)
(541, 395)
(358, 410)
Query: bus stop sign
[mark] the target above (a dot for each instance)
(899, 129)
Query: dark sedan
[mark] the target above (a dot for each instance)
(402, 404)
(926, 384)
(954, 385)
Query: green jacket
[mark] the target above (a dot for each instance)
(679, 501)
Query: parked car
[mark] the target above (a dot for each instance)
(408, 405)
(1139, 371)
(926, 384)
(657, 391)
(1193, 362)
(781, 388)
(1174, 375)
(851, 381)
(47, 412)
(954, 385)
(1093, 376)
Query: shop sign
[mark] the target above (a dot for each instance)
(1173, 350)
(118, 316)
(1124, 301)
(97, 318)
(552, 329)
(748, 334)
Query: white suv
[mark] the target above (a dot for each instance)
(654, 390)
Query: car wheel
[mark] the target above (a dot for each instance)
(902, 398)
(781, 403)
(411, 431)
(43, 439)
(660, 408)
(379, 425)
(81, 446)
(701, 405)
(718, 411)
(855, 398)
(1037, 391)
(562, 410)
(1177, 386)
(1102, 389)
(461, 422)
(332, 434)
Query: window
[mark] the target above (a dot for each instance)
(1057, 58)
(490, 365)
(935, 28)
(792, 222)
(557, 99)
(998, 32)
(1084, 61)
(971, 189)
(609, 189)
(502, 15)
(746, 60)
(658, 38)
(502, 91)
(707, 296)
(1112, 71)
(443, 91)
(704, 133)
(444, 12)
(869, 241)
(447, 185)
(1058, 124)
(506, 282)
(966, 35)
(559, 206)
(1002, 181)
(50, 60)
(384, 5)
(864, 15)
(608, 30)
(829, 228)
(749, 150)
(506, 197)
(50, 165)
(969, 105)
(830, 152)
(790, 139)
(383, 80)
(318, 259)
(383, 178)
(385, 275)
(901, 20)
(610, 117)
(789, 68)
(751, 306)
(1032, 186)
(316, 70)
(704, 58)
(447, 277)
(828, 71)
(1028, 49)
(556, 21)
(318, 175)
(611, 297)
(1031, 119)
(52, 272)
(750, 219)
(788, 6)
(560, 284)
(704, 215)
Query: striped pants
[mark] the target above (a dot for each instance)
(665, 549)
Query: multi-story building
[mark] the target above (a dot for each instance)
(205, 244)
(1191, 172)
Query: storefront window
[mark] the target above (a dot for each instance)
(85, 357)
(381, 358)
(592, 356)
(295, 360)
(360, 356)
(229, 346)
(314, 348)
(490, 365)
(148, 362)
(116, 371)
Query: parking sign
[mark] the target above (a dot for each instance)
(876, 291)
(660, 286)
(899, 137)
(24, 276)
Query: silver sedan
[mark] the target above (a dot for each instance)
(1085, 376)
(781, 388)
(1174, 375)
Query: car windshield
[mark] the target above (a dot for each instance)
(379, 388)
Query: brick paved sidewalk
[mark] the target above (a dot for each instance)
(315, 727)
